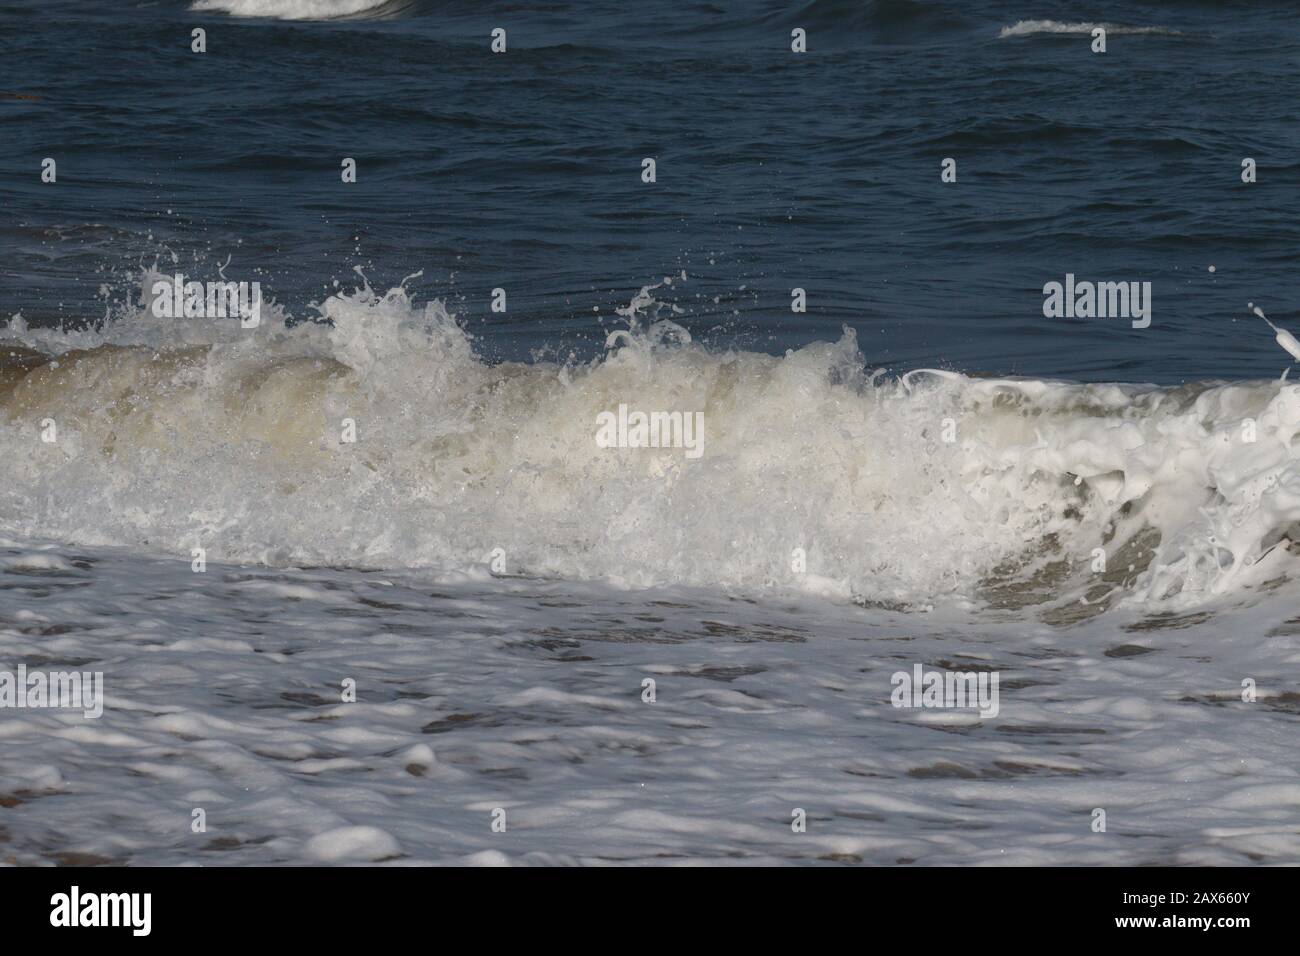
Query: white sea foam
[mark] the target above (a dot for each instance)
(225, 695)
(181, 434)
(1025, 28)
(229, 691)
(289, 9)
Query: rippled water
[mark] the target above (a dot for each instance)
(775, 170)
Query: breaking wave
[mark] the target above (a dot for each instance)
(815, 474)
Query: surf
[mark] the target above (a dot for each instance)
(820, 475)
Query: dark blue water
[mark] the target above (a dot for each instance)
(774, 169)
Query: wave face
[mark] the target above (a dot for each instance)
(173, 435)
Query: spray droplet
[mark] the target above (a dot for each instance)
(1283, 337)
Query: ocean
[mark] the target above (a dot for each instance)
(634, 423)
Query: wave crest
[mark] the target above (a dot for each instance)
(895, 490)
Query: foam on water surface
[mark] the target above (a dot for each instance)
(518, 689)
(1025, 28)
(291, 9)
(224, 692)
